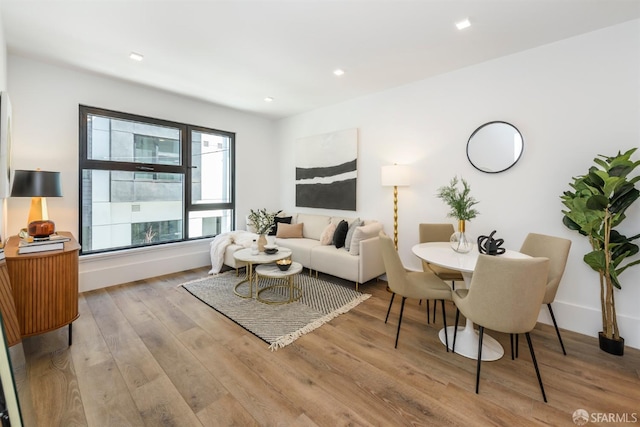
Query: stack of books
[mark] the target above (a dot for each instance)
(52, 243)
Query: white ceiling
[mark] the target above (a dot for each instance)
(237, 52)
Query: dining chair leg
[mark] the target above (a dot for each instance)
(553, 318)
(400, 320)
(455, 331)
(393, 294)
(444, 320)
(427, 301)
(535, 364)
(480, 335)
(428, 313)
(511, 341)
(435, 308)
(517, 345)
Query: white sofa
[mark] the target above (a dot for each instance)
(360, 264)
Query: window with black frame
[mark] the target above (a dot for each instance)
(146, 181)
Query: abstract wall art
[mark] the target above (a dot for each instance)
(326, 170)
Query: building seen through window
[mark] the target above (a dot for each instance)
(149, 181)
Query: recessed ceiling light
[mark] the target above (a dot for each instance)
(463, 24)
(268, 99)
(338, 72)
(136, 56)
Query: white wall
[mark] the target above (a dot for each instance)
(571, 100)
(45, 101)
(3, 87)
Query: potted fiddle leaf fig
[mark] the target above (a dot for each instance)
(596, 205)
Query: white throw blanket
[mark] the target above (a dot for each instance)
(221, 241)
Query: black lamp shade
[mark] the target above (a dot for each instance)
(36, 184)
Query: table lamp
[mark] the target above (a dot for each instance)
(395, 175)
(38, 185)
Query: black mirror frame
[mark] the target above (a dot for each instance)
(487, 124)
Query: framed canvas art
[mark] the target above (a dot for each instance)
(326, 170)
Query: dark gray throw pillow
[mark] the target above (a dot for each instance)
(340, 234)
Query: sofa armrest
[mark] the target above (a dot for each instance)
(371, 264)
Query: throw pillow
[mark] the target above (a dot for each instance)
(279, 219)
(340, 234)
(352, 227)
(250, 228)
(361, 233)
(327, 235)
(289, 231)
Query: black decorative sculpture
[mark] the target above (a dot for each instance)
(490, 246)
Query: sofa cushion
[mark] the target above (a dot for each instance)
(336, 262)
(289, 231)
(352, 227)
(361, 233)
(229, 259)
(340, 234)
(278, 219)
(327, 235)
(250, 228)
(314, 225)
(336, 219)
(300, 249)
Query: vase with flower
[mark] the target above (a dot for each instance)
(462, 208)
(262, 222)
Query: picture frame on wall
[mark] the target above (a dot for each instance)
(327, 170)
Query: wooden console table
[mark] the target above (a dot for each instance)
(44, 286)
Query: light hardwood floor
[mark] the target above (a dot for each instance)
(148, 353)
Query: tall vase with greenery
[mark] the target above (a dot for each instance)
(462, 208)
(596, 205)
(262, 222)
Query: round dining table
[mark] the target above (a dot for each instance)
(441, 254)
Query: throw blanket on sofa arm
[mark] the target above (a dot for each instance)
(221, 241)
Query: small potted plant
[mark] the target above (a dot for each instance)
(262, 222)
(462, 208)
(595, 207)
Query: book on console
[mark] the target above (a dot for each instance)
(31, 247)
(54, 238)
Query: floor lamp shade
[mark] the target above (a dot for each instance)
(38, 185)
(396, 175)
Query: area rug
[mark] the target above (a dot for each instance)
(277, 325)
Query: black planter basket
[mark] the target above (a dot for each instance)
(611, 346)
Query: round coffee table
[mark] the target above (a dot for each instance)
(272, 271)
(262, 258)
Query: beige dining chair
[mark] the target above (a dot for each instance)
(557, 250)
(438, 233)
(505, 296)
(411, 284)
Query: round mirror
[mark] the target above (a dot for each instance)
(495, 147)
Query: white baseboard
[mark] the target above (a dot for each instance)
(109, 269)
(588, 321)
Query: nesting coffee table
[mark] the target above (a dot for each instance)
(287, 276)
(251, 260)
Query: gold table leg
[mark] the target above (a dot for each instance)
(248, 278)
